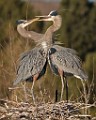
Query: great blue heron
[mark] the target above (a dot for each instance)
(32, 64)
(63, 61)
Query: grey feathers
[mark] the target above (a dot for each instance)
(67, 60)
(30, 63)
(35, 61)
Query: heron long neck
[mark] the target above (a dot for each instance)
(56, 25)
(29, 34)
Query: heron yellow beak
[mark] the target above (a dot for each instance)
(30, 21)
(33, 20)
(38, 18)
(44, 18)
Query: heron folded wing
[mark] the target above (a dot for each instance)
(67, 60)
(31, 63)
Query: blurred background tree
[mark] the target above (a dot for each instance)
(90, 65)
(11, 43)
(10, 12)
(79, 25)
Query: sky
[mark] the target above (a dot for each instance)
(49, 0)
(54, 0)
(92, 0)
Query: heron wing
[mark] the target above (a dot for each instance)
(67, 60)
(31, 63)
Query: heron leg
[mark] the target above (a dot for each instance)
(66, 84)
(35, 77)
(32, 91)
(62, 80)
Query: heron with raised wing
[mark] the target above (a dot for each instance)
(63, 61)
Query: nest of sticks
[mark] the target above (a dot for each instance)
(10, 110)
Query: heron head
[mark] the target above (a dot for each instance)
(25, 23)
(21, 22)
(52, 15)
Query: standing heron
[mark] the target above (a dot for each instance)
(32, 64)
(63, 61)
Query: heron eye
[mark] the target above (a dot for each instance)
(53, 13)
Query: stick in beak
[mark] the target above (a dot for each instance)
(44, 18)
(30, 21)
(33, 20)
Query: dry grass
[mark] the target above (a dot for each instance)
(8, 61)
